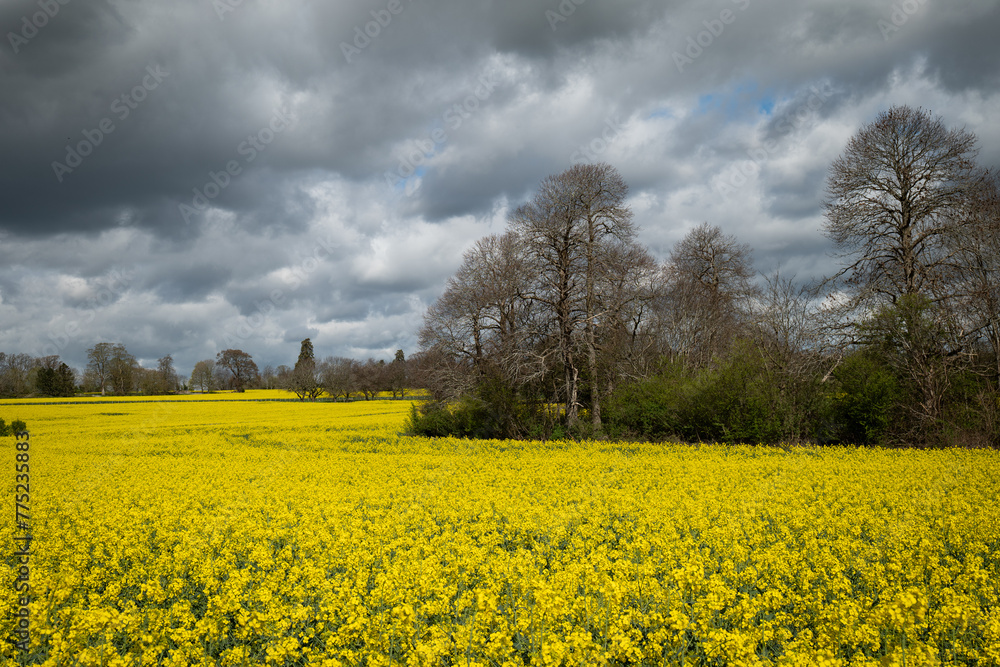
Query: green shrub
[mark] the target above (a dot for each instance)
(739, 398)
(432, 419)
(654, 408)
(868, 402)
(493, 411)
(15, 426)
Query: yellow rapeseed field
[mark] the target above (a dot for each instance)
(265, 533)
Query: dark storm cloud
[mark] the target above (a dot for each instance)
(186, 282)
(298, 334)
(538, 29)
(282, 148)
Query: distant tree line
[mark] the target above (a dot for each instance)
(565, 326)
(342, 378)
(111, 370)
(309, 379)
(24, 375)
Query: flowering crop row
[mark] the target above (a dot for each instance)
(250, 395)
(187, 533)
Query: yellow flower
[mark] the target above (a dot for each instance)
(228, 532)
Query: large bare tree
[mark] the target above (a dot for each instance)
(483, 318)
(14, 374)
(708, 291)
(99, 364)
(627, 294)
(483, 301)
(203, 375)
(895, 196)
(898, 212)
(567, 227)
(978, 243)
(554, 236)
(338, 376)
(123, 370)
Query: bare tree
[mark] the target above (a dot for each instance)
(50, 362)
(978, 243)
(166, 374)
(783, 320)
(895, 196)
(338, 376)
(566, 227)
(600, 194)
(123, 370)
(708, 292)
(440, 373)
(626, 339)
(484, 318)
(267, 377)
(399, 375)
(371, 378)
(555, 237)
(282, 374)
(14, 374)
(203, 375)
(240, 365)
(552, 311)
(899, 197)
(99, 364)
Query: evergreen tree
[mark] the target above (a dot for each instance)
(303, 379)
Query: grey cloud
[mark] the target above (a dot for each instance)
(311, 215)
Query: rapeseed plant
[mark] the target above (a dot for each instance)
(233, 533)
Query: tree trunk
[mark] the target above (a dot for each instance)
(571, 395)
(588, 332)
(595, 386)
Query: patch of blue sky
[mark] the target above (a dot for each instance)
(744, 102)
(709, 102)
(661, 112)
(408, 185)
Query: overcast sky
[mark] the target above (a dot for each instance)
(188, 176)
